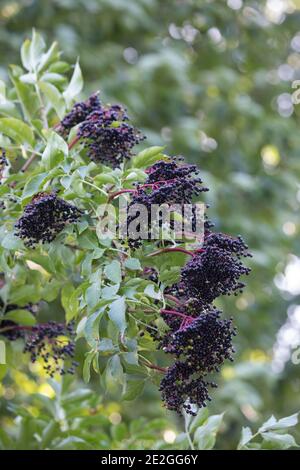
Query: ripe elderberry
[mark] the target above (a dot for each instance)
(215, 270)
(201, 345)
(205, 342)
(108, 135)
(54, 344)
(171, 182)
(44, 217)
(168, 182)
(79, 113)
(180, 391)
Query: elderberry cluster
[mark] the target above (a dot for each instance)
(197, 337)
(200, 346)
(169, 182)
(216, 269)
(44, 218)
(54, 344)
(108, 135)
(180, 391)
(51, 342)
(105, 130)
(79, 113)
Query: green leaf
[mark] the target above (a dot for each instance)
(133, 264)
(199, 419)
(7, 107)
(109, 292)
(9, 240)
(93, 292)
(56, 150)
(69, 300)
(133, 388)
(25, 54)
(25, 294)
(147, 157)
(279, 441)
(273, 424)
(3, 372)
(54, 97)
(119, 432)
(17, 130)
(151, 292)
(91, 328)
(86, 372)
(113, 271)
(116, 314)
(36, 49)
(22, 317)
(48, 57)
(33, 185)
(26, 95)
(106, 346)
(114, 371)
(245, 437)
(205, 435)
(75, 85)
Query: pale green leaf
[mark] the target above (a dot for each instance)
(17, 130)
(75, 85)
(117, 315)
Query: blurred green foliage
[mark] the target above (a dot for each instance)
(211, 80)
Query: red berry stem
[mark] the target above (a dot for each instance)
(118, 193)
(74, 142)
(167, 250)
(178, 314)
(173, 299)
(15, 328)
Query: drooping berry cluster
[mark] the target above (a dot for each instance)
(169, 182)
(44, 217)
(200, 346)
(105, 130)
(52, 342)
(198, 338)
(180, 391)
(79, 113)
(108, 135)
(216, 269)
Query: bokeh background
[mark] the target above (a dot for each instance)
(211, 80)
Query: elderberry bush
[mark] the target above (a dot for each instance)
(143, 310)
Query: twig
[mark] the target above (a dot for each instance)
(173, 299)
(28, 163)
(118, 193)
(167, 250)
(74, 142)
